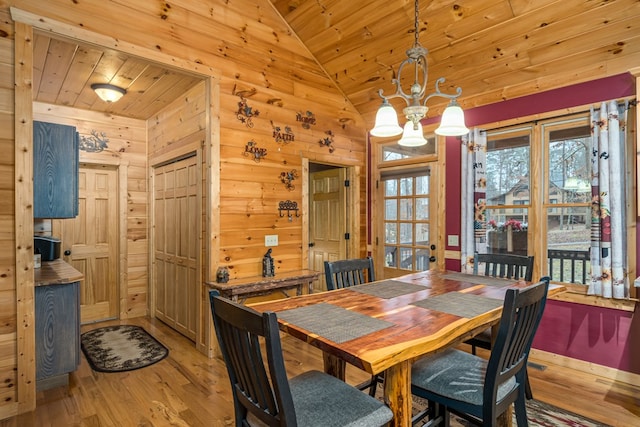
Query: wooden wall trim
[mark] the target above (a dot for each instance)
(123, 253)
(208, 344)
(23, 190)
(49, 25)
(588, 367)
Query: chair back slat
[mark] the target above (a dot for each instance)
(506, 266)
(348, 272)
(241, 333)
(521, 316)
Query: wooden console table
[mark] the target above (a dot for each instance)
(241, 289)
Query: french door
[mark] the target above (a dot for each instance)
(407, 219)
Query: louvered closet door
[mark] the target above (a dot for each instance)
(175, 240)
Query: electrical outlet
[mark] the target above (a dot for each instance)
(271, 240)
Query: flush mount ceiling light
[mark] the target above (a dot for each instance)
(107, 92)
(452, 122)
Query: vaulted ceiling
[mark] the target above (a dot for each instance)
(492, 49)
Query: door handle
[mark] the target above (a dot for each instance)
(311, 245)
(67, 252)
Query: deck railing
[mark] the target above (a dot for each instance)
(569, 265)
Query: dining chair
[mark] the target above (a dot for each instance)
(505, 266)
(477, 389)
(351, 272)
(265, 396)
(348, 272)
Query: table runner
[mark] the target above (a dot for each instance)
(388, 288)
(333, 322)
(459, 304)
(479, 279)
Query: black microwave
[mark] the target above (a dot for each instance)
(48, 247)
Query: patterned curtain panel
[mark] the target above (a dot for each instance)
(608, 222)
(474, 190)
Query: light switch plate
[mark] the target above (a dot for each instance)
(453, 240)
(271, 240)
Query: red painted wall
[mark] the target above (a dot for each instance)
(593, 334)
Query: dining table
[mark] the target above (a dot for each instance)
(385, 325)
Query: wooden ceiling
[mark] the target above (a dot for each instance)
(492, 49)
(64, 71)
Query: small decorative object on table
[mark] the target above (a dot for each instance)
(222, 275)
(268, 267)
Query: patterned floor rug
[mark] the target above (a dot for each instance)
(121, 348)
(539, 414)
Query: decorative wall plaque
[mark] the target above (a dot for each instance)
(307, 119)
(252, 149)
(245, 113)
(94, 143)
(283, 136)
(287, 179)
(328, 141)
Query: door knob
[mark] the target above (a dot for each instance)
(311, 245)
(67, 252)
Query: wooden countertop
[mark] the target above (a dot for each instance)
(55, 273)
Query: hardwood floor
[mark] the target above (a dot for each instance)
(188, 389)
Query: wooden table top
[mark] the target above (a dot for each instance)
(413, 330)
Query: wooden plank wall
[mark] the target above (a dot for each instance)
(8, 308)
(127, 149)
(256, 56)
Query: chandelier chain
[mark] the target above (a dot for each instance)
(416, 24)
(416, 100)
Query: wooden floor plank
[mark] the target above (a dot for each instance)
(188, 389)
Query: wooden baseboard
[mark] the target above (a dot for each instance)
(9, 410)
(542, 357)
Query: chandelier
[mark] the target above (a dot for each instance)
(452, 122)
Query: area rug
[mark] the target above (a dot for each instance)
(121, 348)
(539, 414)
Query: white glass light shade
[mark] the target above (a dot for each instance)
(107, 92)
(386, 122)
(412, 137)
(452, 123)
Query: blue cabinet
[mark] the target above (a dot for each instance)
(55, 171)
(57, 319)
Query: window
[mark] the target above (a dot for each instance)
(560, 205)
(508, 191)
(393, 151)
(567, 199)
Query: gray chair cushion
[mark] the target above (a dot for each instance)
(457, 375)
(322, 400)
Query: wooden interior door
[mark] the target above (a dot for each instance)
(175, 242)
(327, 219)
(90, 242)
